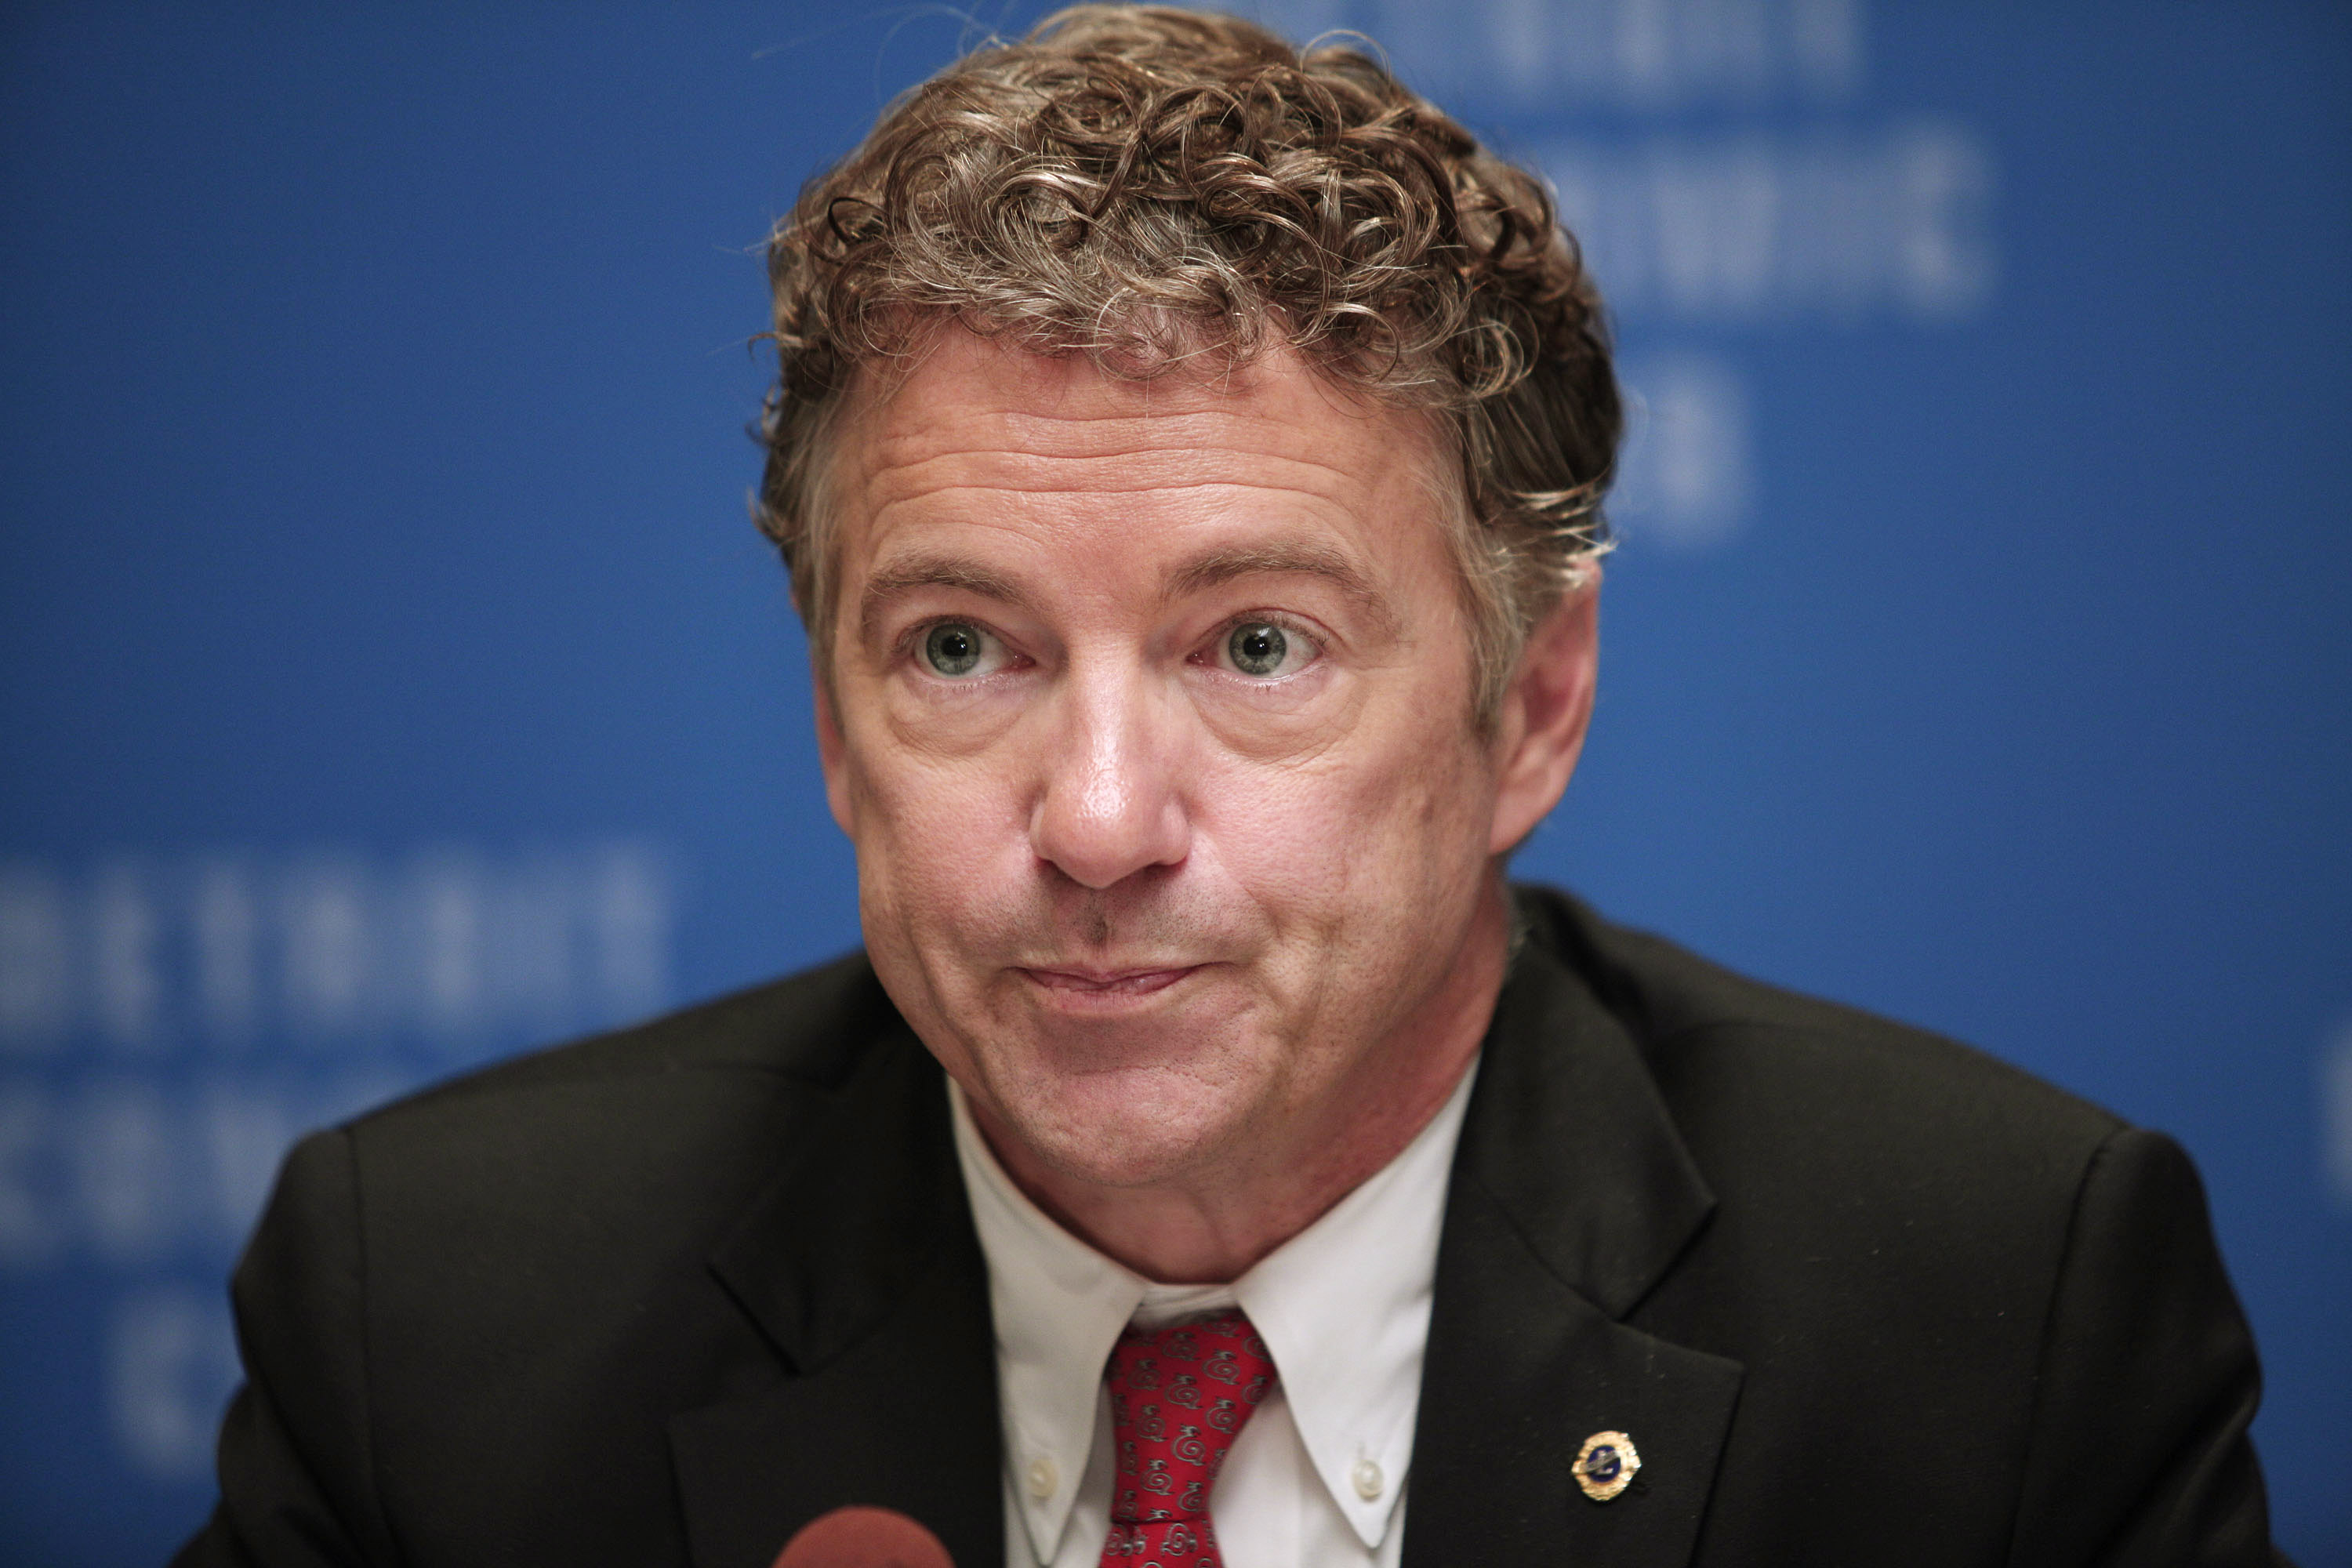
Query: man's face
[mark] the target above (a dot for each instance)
(1150, 719)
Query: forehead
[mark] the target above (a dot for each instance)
(977, 427)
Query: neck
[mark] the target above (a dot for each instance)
(1210, 1226)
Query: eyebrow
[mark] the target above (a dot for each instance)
(902, 577)
(1289, 558)
(1213, 569)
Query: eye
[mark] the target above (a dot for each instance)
(1264, 650)
(957, 649)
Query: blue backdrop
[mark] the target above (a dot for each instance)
(389, 677)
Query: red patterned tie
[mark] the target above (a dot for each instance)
(1178, 1399)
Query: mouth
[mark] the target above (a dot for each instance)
(1082, 986)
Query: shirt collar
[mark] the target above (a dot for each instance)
(1343, 1306)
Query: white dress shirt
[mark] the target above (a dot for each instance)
(1318, 1476)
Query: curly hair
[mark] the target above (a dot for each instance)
(1153, 187)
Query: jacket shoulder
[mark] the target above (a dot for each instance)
(1714, 1037)
(810, 1027)
(624, 1146)
(640, 1141)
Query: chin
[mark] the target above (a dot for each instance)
(1126, 1129)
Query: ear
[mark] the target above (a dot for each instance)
(832, 752)
(1539, 730)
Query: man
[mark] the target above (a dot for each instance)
(1187, 455)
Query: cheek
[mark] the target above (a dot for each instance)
(1367, 834)
(939, 842)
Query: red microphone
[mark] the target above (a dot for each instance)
(864, 1538)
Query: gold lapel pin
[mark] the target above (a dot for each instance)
(1605, 1464)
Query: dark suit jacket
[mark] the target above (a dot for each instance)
(1858, 1295)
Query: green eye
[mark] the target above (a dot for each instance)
(1257, 647)
(952, 647)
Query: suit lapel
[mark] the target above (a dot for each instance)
(860, 1266)
(1571, 1195)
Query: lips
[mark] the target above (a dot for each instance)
(1108, 983)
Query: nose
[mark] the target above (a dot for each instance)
(1109, 801)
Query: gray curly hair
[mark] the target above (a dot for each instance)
(1153, 187)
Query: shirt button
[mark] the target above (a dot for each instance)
(1368, 1479)
(1043, 1477)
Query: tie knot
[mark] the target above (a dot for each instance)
(1178, 1396)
